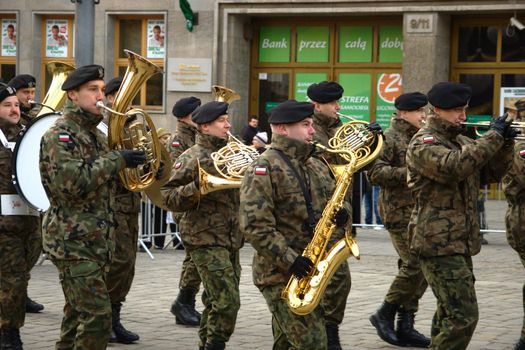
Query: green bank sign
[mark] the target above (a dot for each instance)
(390, 44)
(274, 44)
(356, 98)
(355, 44)
(313, 44)
(303, 81)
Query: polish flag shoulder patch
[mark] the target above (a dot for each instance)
(178, 165)
(428, 139)
(261, 170)
(63, 137)
(175, 144)
(522, 153)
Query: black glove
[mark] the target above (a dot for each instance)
(160, 171)
(500, 125)
(341, 217)
(133, 157)
(374, 127)
(510, 133)
(301, 266)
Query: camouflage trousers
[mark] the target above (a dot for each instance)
(409, 285)
(291, 331)
(336, 294)
(452, 281)
(86, 324)
(220, 271)
(19, 251)
(522, 258)
(189, 276)
(122, 267)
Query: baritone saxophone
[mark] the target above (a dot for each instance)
(358, 146)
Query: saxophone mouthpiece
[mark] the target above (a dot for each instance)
(100, 104)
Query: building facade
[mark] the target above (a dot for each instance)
(270, 51)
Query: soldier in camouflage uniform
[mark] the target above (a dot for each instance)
(325, 98)
(514, 188)
(122, 268)
(79, 173)
(183, 307)
(275, 220)
(395, 206)
(25, 86)
(210, 226)
(444, 174)
(20, 241)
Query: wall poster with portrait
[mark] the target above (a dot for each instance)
(156, 38)
(9, 37)
(57, 33)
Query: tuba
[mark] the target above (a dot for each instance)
(357, 146)
(55, 97)
(134, 128)
(223, 94)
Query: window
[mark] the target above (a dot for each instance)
(9, 47)
(144, 36)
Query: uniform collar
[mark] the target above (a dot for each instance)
(326, 121)
(10, 131)
(186, 128)
(402, 125)
(444, 127)
(292, 148)
(81, 117)
(210, 141)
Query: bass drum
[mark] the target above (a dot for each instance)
(26, 159)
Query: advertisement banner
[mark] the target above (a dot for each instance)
(303, 81)
(57, 33)
(389, 87)
(356, 98)
(390, 44)
(156, 38)
(313, 44)
(274, 44)
(509, 96)
(9, 37)
(355, 44)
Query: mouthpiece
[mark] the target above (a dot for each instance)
(100, 104)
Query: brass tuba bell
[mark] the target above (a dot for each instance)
(223, 94)
(55, 96)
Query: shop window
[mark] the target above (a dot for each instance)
(9, 46)
(513, 45)
(313, 44)
(477, 44)
(146, 37)
(355, 43)
(481, 102)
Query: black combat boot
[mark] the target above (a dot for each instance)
(406, 334)
(33, 307)
(214, 345)
(119, 334)
(383, 321)
(183, 308)
(332, 335)
(520, 345)
(10, 339)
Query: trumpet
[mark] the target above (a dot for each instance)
(486, 124)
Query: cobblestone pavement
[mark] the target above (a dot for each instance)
(499, 275)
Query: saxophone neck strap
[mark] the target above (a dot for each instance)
(306, 192)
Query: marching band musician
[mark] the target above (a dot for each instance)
(283, 193)
(395, 206)
(183, 307)
(514, 189)
(209, 225)
(78, 173)
(122, 267)
(325, 98)
(444, 175)
(20, 240)
(25, 86)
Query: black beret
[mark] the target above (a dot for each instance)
(22, 81)
(325, 91)
(185, 106)
(411, 101)
(448, 95)
(210, 111)
(113, 85)
(6, 91)
(82, 75)
(290, 112)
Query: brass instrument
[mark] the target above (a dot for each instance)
(134, 128)
(358, 146)
(341, 115)
(223, 94)
(486, 124)
(55, 96)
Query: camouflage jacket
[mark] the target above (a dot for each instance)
(389, 171)
(78, 173)
(183, 139)
(325, 128)
(273, 215)
(10, 223)
(209, 220)
(514, 188)
(444, 176)
(126, 201)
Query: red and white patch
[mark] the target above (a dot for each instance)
(175, 144)
(261, 171)
(178, 165)
(63, 138)
(428, 139)
(522, 153)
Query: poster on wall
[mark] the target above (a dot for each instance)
(57, 33)
(303, 81)
(509, 96)
(389, 87)
(156, 38)
(356, 98)
(9, 37)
